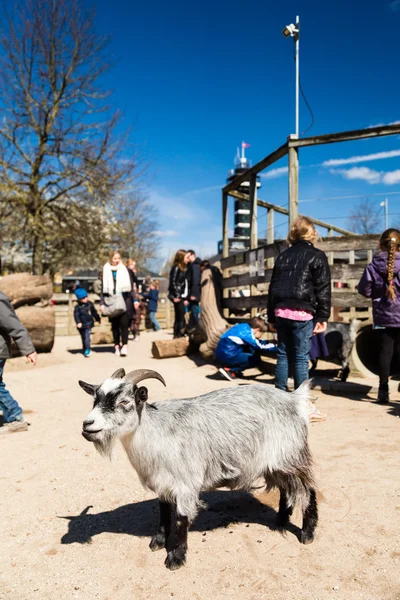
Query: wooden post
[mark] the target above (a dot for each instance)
(293, 185)
(270, 234)
(253, 229)
(71, 322)
(225, 242)
(330, 254)
(352, 260)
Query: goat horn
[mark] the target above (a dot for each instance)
(118, 374)
(140, 374)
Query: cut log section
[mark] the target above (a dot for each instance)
(41, 324)
(102, 335)
(210, 319)
(170, 348)
(24, 289)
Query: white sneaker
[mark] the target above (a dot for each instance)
(117, 351)
(124, 350)
(14, 427)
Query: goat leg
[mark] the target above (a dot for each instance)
(176, 557)
(310, 519)
(160, 539)
(285, 511)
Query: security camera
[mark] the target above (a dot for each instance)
(290, 30)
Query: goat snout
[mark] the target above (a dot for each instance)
(88, 432)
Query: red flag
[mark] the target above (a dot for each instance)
(245, 145)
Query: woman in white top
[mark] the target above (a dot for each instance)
(116, 280)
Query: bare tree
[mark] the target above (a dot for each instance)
(364, 218)
(61, 163)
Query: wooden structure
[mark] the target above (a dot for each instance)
(246, 274)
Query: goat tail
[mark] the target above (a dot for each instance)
(302, 395)
(355, 325)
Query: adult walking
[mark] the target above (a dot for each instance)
(177, 291)
(135, 322)
(381, 283)
(11, 327)
(116, 280)
(193, 276)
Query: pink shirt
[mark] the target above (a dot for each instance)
(294, 314)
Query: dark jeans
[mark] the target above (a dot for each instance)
(294, 345)
(85, 336)
(179, 323)
(241, 361)
(389, 344)
(194, 309)
(10, 407)
(120, 329)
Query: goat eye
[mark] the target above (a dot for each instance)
(125, 402)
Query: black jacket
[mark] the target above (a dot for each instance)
(85, 313)
(301, 279)
(193, 275)
(177, 280)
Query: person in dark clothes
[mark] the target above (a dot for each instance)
(85, 315)
(152, 306)
(11, 328)
(135, 322)
(193, 276)
(116, 280)
(381, 283)
(177, 291)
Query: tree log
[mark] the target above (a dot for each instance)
(41, 324)
(25, 289)
(210, 319)
(102, 335)
(170, 348)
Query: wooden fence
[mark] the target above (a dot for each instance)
(247, 276)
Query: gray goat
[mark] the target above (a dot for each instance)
(227, 438)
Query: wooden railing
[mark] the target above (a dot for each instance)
(247, 275)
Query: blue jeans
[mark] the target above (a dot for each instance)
(294, 345)
(241, 361)
(10, 407)
(194, 309)
(85, 336)
(155, 323)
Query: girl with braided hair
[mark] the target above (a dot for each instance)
(381, 282)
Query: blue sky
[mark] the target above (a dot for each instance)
(196, 79)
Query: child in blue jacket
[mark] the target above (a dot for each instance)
(152, 298)
(84, 315)
(240, 347)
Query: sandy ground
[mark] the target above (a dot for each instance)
(76, 526)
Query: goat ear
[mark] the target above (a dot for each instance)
(141, 395)
(118, 374)
(89, 388)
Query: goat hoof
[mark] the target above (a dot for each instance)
(157, 542)
(174, 561)
(306, 538)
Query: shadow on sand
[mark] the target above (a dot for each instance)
(224, 508)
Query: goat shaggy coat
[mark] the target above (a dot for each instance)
(228, 438)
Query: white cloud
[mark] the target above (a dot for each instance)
(212, 188)
(391, 177)
(335, 162)
(363, 173)
(275, 173)
(166, 233)
(395, 5)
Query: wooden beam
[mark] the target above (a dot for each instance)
(253, 212)
(240, 258)
(284, 211)
(225, 225)
(346, 136)
(260, 166)
(293, 185)
(343, 244)
(341, 299)
(270, 234)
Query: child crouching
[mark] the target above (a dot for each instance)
(240, 347)
(85, 314)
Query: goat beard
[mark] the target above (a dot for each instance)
(105, 445)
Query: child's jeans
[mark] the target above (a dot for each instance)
(85, 335)
(241, 361)
(10, 407)
(294, 346)
(155, 323)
